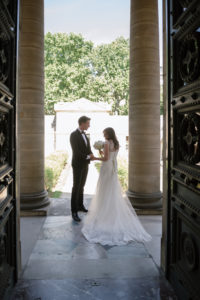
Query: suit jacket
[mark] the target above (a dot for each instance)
(79, 149)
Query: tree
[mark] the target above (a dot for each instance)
(65, 48)
(74, 68)
(66, 68)
(110, 65)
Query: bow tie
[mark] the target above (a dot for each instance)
(82, 132)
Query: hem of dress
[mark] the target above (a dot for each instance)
(116, 243)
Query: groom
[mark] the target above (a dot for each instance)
(81, 156)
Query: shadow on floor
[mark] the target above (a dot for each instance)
(58, 263)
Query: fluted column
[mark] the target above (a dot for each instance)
(31, 105)
(144, 108)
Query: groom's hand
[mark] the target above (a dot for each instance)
(91, 157)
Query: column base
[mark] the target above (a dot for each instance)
(145, 201)
(34, 201)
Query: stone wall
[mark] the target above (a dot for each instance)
(57, 132)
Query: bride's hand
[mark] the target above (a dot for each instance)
(101, 152)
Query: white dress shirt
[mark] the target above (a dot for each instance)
(85, 140)
(83, 135)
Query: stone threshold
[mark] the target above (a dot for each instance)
(148, 212)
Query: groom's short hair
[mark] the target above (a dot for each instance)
(83, 119)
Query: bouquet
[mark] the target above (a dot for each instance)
(98, 145)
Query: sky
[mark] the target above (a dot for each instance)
(100, 21)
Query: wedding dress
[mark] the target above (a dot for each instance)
(111, 219)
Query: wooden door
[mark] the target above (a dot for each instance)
(184, 147)
(8, 234)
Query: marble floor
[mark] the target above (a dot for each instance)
(59, 264)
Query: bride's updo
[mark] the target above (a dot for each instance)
(111, 136)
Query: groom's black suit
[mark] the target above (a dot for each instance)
(80, 152)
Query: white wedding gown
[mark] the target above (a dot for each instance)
(111, 219)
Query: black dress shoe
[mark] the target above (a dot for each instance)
(76, 217)
(83, 209)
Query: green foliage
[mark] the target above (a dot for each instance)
(110, 80)
(98, 166)
(54, 165)
(62, 48)
(66, 68)
(55, 194)
(74, 68)
(122, 172)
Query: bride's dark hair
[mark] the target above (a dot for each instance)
(112, 136)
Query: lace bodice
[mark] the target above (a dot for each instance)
(111, 145)
(110, 165)
(112, 152)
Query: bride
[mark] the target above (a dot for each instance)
(111, 219)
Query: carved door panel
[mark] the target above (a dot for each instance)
(184, 147)
(8, 38)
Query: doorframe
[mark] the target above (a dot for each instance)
(168, 117)
(165, 240)
(17, 149)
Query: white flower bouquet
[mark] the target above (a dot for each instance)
(98, 145)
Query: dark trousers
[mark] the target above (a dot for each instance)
(79, 179)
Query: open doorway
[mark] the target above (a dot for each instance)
(75, 68)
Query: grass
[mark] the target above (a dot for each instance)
(98, 166)
(55, 194)
(122, 172)
(54, 164)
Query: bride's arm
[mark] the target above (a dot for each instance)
(105, 153)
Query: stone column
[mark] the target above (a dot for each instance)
(144, 108)
(31, 105)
